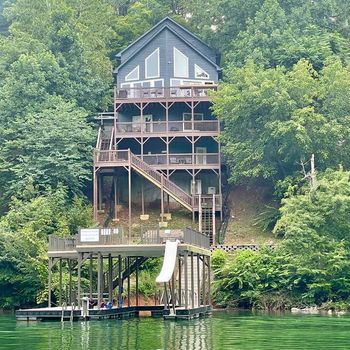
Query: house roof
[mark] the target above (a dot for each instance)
(182, 33)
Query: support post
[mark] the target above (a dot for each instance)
(60, 295)
(186, 279)
(99, 182)
(162, 199)
(50, 282)
(198, 282)
(120, 282)
(192, 281)
(70, 281)
(95, 193)
(209, 280)
(204, 298)
(128, 262)
(110, 277)
(213, 221)
(115, 197)
(99, 278)
(90, 277)
(137, 282)
(129, 186)
(180, 282)
(79, 279)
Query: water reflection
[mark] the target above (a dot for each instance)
(221, 332)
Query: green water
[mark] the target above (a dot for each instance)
(223, 331)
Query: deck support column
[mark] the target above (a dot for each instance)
(95, 193)
(70, 281)
(115, 197)
(50, 282)
(192, 281)
(79, 279)
(198, 281)
(90, 278)
(209, 280)
(162, 200)
(180, 282)
(213, 220)
(60, 295)
(128, 264)
(110, 277)
(137, 282)
(142, 197)
(99, 278)
(186, 279)
(100, 183)
(129, 189)
(120, 282)
(204, 300)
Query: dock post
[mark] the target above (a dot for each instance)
(90, 277)
(186, 279)
(50, 282)
(198, 282)
(209, 280)
(79, 279)
(128, 263)
(137, 283)
(129, 186)
(180, 284)
(60, 295)
(99, 278)
(120, 282)
(192, 281)
(70, 281)
(204, 281)
(110, 277)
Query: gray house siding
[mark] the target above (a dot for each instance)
(166, 41)
(179, 30)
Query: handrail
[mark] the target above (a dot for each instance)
(170, 186)
(173, 92)
(98, 138)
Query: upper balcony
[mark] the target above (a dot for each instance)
(181, 93)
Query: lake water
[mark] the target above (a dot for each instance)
(222, 331)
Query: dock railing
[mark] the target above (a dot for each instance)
(117, 236)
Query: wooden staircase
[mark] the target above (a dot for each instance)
(125, 272)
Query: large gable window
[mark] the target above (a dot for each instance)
(200, 72)
(152, 65)
(133, 75)
(180, 64)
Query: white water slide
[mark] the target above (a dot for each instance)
(169, 261)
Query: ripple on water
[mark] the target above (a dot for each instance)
(223, 331)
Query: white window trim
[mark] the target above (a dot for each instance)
(137, 68)
(196, 68)
(187, 124)
(187, 68)
(158, 58)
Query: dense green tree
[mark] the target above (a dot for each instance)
(54, 147)
(24, 234)
(274, 119)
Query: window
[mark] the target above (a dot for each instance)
(180, 64)
(133, 75)
(200, 72)
(152, 65)
(187, 120)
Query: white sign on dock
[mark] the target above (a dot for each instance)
(89, 235)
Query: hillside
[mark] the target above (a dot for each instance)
(247, 207)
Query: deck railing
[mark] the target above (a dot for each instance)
(172, 126)
(172, 159)
(117, 236)
(174, 92)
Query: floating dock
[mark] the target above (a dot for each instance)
(107, 260)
